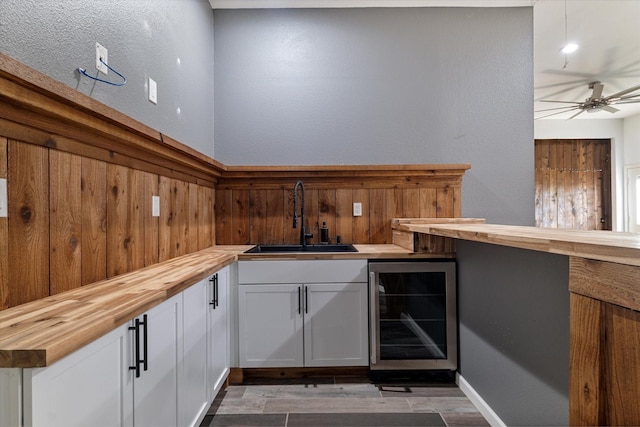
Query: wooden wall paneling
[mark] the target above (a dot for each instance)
(622, 368)
(580, 186)
(180, 222)
(291, 235)
(393, 209)
(598, 177)
(223, 207)
(567, 221)
(136, 220)
(117, 212)
(206, 218)
(166, 219)
(327, 211)
(552, 209)
(411, 203)
(311, 215)
(589, 177)
(538, 195)
(558, 164)
(361, 223)
(428, 203)
(151, 223)
(344, 213)
(28, 222)
(240, 217)
(257, 216)
(378, 221)
(275, 223)
(5, 289)
(193, 221)
(586, 352)
(94, 220)
(65, 221)
(444, 200)
(457, 202)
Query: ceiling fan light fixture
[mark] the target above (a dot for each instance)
(569, 48)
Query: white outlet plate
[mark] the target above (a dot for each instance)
(101, 52)
(153, 91)
(357, 209)
(155, 205)
(4, 210)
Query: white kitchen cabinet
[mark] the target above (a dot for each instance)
(303, 313)
(186, 357)
(155, 391)
(335, 325)
(270, 326)
(194, 391)
(218, 332)
(90, 387)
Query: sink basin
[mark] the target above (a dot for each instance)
(274, 249)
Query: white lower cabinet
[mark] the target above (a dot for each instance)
(161, 369)
(303, 313)
(155, 391)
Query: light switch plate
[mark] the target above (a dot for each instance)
(153, 91)
(101, 52)
(357, 209)
(4, 210)
(155, 205)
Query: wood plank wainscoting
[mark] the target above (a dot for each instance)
(81, 177)
(255, 204)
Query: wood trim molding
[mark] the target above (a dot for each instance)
(343, 176)
(35, 108)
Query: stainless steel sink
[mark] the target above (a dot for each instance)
(273, 249)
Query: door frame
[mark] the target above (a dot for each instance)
(628, 196)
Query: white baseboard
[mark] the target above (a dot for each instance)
(486, 411)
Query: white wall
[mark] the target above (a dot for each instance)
(632, 140)
(585, 129)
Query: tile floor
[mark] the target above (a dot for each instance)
(336, 402)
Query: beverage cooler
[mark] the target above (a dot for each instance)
(413, 315)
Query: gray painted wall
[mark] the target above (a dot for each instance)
(376, 86)
(513, 307)
(145, 38)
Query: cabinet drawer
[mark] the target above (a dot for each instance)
(303, 271)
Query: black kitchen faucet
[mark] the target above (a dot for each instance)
(303, 234)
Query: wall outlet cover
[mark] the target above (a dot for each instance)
(4, 209)
(102, 53)
(153, 91)
(155, 205)
(357, 209)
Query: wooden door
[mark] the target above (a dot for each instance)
(573, 183)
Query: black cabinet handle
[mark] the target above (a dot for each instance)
(144, 343)
(299, 310)
(306, 299)
(136, 329)
(215, 291)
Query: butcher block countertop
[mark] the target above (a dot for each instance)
(610, 246)
(41, 332)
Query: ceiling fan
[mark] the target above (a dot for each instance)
(596, 102)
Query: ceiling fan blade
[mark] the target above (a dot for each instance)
(624, 92)
(568, 108)
(563, 102)
(610, 109)
(597, 91)
(626, 101)
(630, 96)
(576, 114)
(554, 114)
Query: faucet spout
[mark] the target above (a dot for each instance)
(303, 234)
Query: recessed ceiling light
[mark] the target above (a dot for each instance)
(569, 48)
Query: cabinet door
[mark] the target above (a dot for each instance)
(194, 393)
(270, 323)
(218, 357)
(90, 387)
(335, 325)
(155, 391)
